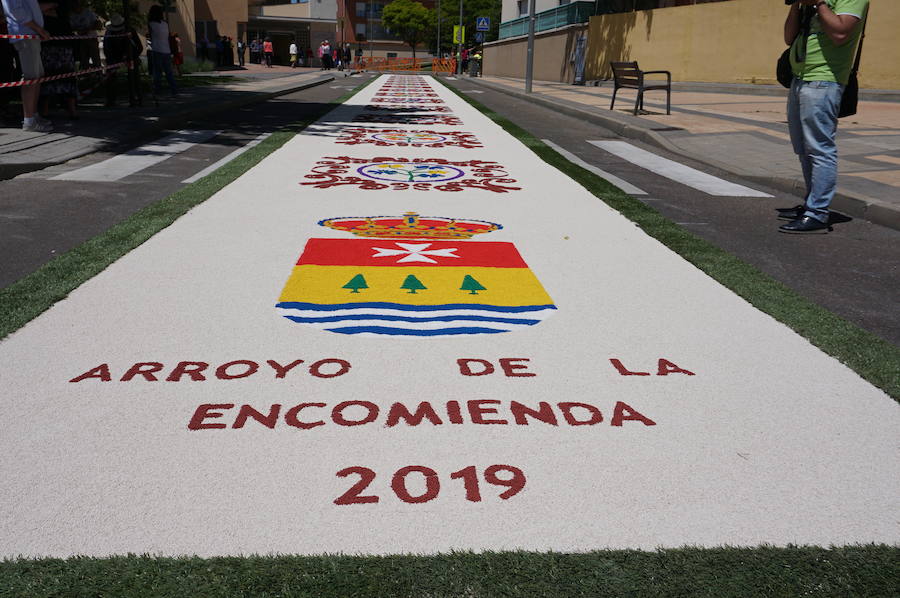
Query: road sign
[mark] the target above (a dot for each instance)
(483, 24)
(479, 36)
(457, 38)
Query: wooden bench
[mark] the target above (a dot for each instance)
(627, 74)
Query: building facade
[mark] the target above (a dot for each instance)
(359, 24)
(307, 23)
(200, 22)
(697, 40)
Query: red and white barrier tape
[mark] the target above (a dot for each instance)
(60, 37)
(60, 76)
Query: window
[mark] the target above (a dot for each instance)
(523, 7)
(361, 9)
(361, 29)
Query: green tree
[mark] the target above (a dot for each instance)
(413, 284)
(471, 285)
(472, 9)
(106, 8)
(410, 21)
(356, 283)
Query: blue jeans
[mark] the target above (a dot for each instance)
(162, 63)
(812, 119)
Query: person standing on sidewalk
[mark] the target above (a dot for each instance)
(24, 17)
(116, 50)
(160, 52)
(7, 74)
(293, 52)
(821, 63)
(241, 48)
(268, 50)
(177, 53)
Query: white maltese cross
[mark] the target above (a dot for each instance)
(415, 252)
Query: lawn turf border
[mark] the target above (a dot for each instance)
(875, 360)
(870, 571)
(37, 292)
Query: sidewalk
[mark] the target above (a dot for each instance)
(100, 128)
(740, 130)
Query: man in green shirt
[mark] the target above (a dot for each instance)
(821, 63)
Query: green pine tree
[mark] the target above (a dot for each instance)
(413, 284)
(471, 285)
(356, 283)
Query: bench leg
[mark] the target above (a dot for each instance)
(639, 101)
(668, 100)
(615, 91)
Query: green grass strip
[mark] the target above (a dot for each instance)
(870, 356)
(864, 571)
(30, 296)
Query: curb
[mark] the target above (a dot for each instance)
(853, 204)
(166, 121)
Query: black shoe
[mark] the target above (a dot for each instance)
(804, 225)
(791, 213)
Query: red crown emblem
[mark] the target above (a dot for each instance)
(410, 226)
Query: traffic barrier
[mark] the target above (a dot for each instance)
(406, 65)
(24, 82)
(82, 93)
(60, 37)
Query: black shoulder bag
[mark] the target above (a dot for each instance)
(783, 72)
(850, 99)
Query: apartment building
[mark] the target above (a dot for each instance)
(359, 24)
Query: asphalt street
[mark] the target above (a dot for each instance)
(853, 271)
(43, 215)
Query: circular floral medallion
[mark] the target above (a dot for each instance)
(410, 173)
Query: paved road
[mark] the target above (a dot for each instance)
(43, 215)
(853, 271)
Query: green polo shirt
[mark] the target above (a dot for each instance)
(826, 61)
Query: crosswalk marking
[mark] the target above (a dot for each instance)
(123, 165)
(676, 171)
(621, 184)
(225, 160)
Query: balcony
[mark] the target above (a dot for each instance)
(567, 14)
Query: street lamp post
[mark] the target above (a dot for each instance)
(529, 57)
(459, 47)
(439, 30)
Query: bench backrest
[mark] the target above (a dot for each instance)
(626, 73)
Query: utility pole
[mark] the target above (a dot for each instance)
(439, 56)
(371, 27)
(459, 47)
(529, 57)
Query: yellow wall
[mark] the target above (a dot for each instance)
(300, 11)
(737, 41)
(226, 13)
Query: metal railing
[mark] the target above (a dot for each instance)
(567, 14)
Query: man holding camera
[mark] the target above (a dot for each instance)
(821, 62)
